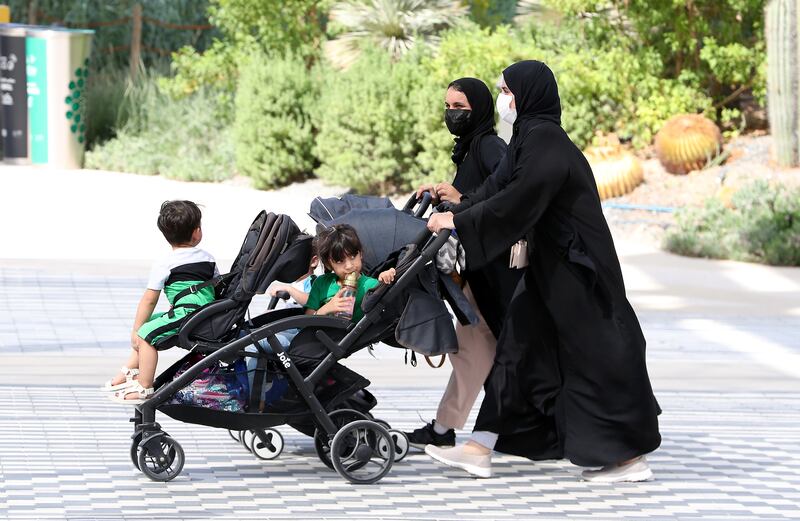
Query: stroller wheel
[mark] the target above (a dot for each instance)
(136, 438)
(267, 444)
(382, 423)
(340, 418)
(356, 455)
(401, 444)
(234, 435)
(247, 439)
(160, 458)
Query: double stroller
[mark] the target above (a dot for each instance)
(321, 397)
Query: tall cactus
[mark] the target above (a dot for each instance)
(783, 79)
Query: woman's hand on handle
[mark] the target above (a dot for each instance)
(428, 188)
(448, 193)
(438, 221)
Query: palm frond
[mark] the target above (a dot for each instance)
(394, 25)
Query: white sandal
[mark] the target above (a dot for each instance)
(129, 374)
(134, 387)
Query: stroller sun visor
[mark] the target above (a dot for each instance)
(325, 210)
(382, 231)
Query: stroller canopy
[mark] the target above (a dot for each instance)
(325, 210)
(382, 231)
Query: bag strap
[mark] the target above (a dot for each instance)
(441, 361)
(194, 288)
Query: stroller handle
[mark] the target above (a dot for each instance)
(280, 295)
(427, 250)
(424, 203)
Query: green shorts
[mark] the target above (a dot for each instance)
(162, 326)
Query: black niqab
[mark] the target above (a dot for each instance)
(481, 123)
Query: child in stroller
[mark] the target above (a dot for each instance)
(340, 251)
(358, 447)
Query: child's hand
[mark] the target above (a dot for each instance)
(273, 291)
(387, 277)
(337, 304)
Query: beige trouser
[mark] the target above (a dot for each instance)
(471, 366)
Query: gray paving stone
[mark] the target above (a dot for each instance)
(43, 471)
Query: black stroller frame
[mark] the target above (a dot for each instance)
(360, 448)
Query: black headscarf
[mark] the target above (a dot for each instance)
(536, 97)
(535, 92)
(481, 122)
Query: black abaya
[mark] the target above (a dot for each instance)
(570, 376)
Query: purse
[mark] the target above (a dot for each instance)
(519, 255)
(450, 258)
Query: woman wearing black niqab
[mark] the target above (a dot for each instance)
(469, 115)
(570, 378)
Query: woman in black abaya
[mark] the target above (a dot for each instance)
(570, 378)
(469, 115)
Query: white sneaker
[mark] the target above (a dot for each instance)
(475, 464)
(636, 470)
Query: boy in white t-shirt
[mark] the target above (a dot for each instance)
(177, 274)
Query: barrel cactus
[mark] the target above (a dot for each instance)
(616, 170)
(783, 79)
(688, 142)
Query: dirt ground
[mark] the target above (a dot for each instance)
(750, 159)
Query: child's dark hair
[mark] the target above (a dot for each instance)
(334, 242)
(178, 220)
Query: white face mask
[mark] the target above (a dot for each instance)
(507, 114)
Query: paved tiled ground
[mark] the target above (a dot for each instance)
(64, 455)
(729, 451)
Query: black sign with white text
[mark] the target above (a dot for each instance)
(14, 97)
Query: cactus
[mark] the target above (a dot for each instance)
(783, 87)
(688, 142)
(616, 171)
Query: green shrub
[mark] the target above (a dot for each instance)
(248, 27)
(719, 44)
(108, 39)
(611, 85)
(763, 226)
(188, 139)
(366, 134)
(490, 13)
(105, 95)
(273, 128)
